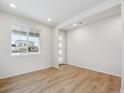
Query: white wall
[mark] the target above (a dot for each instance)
(14, 65)
(96, 46)
(122, 49)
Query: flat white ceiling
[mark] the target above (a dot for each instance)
(115, 10)
(41, 10)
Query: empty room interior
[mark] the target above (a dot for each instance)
(61, 46)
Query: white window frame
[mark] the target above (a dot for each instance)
(26, 53)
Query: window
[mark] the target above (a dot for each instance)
(24, 41)
(60, 49)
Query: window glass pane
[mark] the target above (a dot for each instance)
(60, 59)
(19, 42)
(60, 52)
(33, 42)
(60, 38)
(60, 44)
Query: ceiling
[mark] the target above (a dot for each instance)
(41, 10)
(115, 10)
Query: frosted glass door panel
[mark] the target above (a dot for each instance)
(60, 44)
(60, 53)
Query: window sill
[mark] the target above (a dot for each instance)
(25, 54)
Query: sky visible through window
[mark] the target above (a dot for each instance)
(16, 37)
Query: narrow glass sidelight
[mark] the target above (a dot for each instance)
(60, 49)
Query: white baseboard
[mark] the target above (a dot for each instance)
(122, 90)
(7, 76)
(97, 70)
(17, 74)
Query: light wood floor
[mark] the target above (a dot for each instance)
(68, 79)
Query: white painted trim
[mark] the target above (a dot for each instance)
(121, 90)
(96, 70)
(122, 47)
(97, 9)
(8, 76)
(25, 54)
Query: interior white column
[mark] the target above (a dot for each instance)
(122, 57)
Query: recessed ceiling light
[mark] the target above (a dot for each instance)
(49, 19)
(12, 5)
(74, 24)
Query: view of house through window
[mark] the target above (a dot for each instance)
(25, 41)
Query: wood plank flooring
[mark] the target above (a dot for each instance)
(68, 79)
